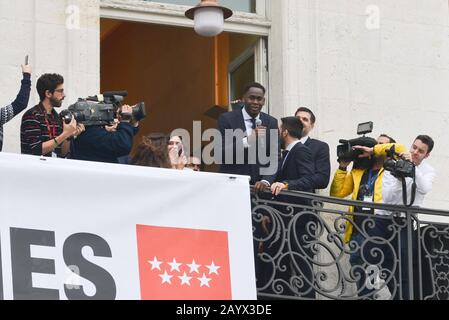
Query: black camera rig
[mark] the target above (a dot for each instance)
(401, 169)
(102, 109)
(346, 153)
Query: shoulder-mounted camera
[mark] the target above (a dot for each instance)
(346, 153)
(102, 109)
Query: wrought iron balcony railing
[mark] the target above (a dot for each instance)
(305, 249)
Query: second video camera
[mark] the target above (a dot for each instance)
(345, 151)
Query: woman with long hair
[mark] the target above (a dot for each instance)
(176, 152)
(153, 152)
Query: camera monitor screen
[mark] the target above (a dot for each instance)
(364, 128)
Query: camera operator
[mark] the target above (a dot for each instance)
(107, 143)
(424, 173)
(393, 193)
(365, 183)
(42, 131)
(19, 104)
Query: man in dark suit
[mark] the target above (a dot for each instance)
(250, 138)
(320, 149)
(295, 173)
(296, 168)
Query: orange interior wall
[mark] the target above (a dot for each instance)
(222, 48)
(171, 69)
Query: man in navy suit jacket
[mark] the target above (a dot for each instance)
(295, 173)
(296, 168)
(320, 149)
(254, 148)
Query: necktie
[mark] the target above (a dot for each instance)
(284, 156)
(253, 122)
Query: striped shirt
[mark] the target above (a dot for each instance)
(6, 114)
(17, 106)
(38, 127)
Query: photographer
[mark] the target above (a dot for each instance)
(365, 183)
(393, 191)
(107, 143)
(18, 105)
(42, 132)
(424, 173)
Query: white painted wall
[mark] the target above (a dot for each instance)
(48, 30)
(349, 60)
(353, 61)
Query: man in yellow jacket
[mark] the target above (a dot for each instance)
(393, 193)
(364, 184)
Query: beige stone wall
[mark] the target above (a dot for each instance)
(349, 60)
(60, 36)
(353, 61)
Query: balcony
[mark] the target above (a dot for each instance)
(301, 252)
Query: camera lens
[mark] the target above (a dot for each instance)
(139, 111)
(66, 116)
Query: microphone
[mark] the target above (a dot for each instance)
(109, 94)
(261, 140)
(115, 93)
(97, 98)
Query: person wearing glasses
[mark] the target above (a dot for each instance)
(193, 164)
(42, 132)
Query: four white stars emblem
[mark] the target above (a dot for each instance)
(185, 279)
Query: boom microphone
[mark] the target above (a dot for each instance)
(109, 94)
(115, 93)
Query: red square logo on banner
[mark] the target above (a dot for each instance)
(183, 264)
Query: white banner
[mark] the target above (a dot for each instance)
(81, 230)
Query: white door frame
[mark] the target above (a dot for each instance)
(170, 14)
(259, 50)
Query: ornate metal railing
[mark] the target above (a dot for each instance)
(304, 249)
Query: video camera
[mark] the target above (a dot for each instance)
(345, 151)
(399, 168)
(102, 109)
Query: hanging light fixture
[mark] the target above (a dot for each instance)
(209, 17)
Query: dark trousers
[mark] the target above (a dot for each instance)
(284, 266)
(384, 252)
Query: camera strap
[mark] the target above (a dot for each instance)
(50, 128)
(404, 190)
(372, 180)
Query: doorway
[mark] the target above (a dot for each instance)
(181, 76)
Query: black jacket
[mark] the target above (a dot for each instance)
(233, 121)
(97, 144)
(298, 169)
(320, 155)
